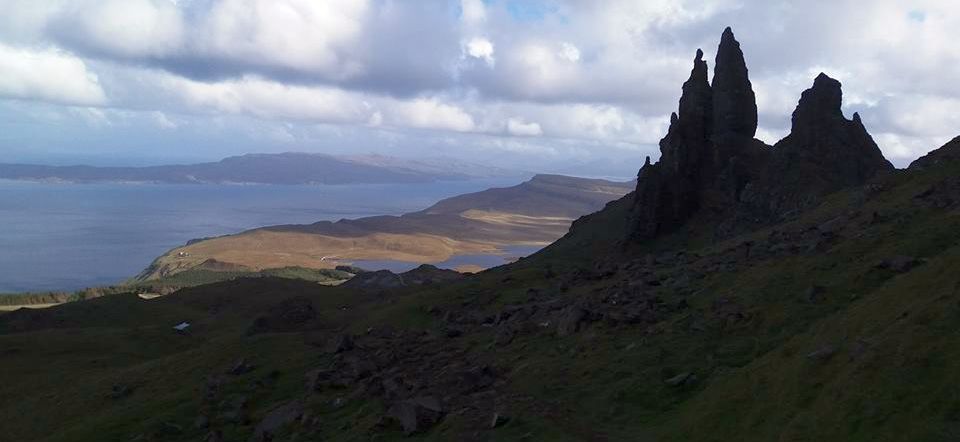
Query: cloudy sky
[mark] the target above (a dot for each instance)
(576, 86)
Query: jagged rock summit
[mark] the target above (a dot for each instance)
(711, 163)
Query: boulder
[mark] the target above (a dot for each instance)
(242, 366)
(416, 415)
(341, 343)
(569, 321)
(498, 420)
(276, 419)
(822, 353)
(683, 379)
(120, 391)
(899, 263)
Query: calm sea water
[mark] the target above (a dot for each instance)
(70, 236)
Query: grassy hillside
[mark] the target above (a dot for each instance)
(838, 325)
(166, 285)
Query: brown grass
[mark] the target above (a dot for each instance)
(260, 249)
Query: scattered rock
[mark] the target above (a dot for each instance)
(341, 343)
(316, 378)
(380, 279)
(120, 391)
(569, 321)
(241, 367)
(823, 353)
(167, 429)
(276, 419)
(498, 420)
(291, 314)
(899, 263)
(504, 335)
(815, 293)
(681, 380)
(416, 415)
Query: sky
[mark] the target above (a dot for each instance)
(572, 86)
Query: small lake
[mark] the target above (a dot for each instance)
(69, 236)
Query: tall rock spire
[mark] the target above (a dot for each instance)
(670, 188)
(712, 167)
(734, 103)
(684, 147)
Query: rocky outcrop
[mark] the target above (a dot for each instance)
(710, 164)
(820, 136)
(288, 315)
(823, 153)
(384, 279)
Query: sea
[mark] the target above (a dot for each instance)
(65, 236)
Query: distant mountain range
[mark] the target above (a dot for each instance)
(283, 168)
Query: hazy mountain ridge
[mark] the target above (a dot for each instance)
(283, 168)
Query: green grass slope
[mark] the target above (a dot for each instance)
(841, 324)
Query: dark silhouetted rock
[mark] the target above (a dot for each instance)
(734, 103)
(824, 151)
(711, 164)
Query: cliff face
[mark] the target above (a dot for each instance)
(710, 160)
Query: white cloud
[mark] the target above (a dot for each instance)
(162, 121)
(431, 114)
(319, 37)
(272, 100)
(125, 28)
(481, 48)
(474, 12)
(268, 99)
(569, 52)
(517, 126)
(48, 75)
